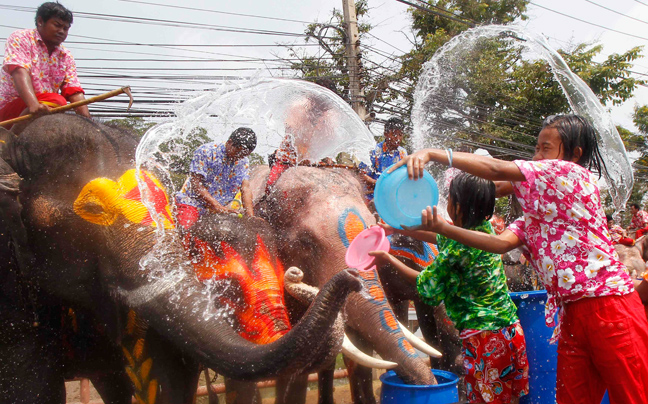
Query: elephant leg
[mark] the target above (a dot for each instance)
(159, 372)
(31, 368)
(241, 392)
(425, 314)
(113, 387)
(292, 389)
(325, 379)
(360, 377)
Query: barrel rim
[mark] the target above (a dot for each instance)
(454, 379)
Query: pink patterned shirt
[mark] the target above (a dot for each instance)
(565, 233)
(49, 73)
(639, 220)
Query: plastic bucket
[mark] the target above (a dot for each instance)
(371, 239)
(400, 200)
(395, 391)
(542, 356)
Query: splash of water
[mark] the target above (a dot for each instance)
(441, 106)
(319, 123)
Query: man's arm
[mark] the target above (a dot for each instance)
(82, 110)
(203, 193)
(22, 82)
(246, 196)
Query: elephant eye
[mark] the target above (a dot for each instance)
(93, 208)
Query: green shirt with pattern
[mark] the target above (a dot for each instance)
(472, 284)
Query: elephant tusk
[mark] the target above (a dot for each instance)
(361, 358)
(419, 343)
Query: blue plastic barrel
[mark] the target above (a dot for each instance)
(395, 391)
(542, 356)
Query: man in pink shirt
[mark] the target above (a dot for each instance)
(639, 222)
(38, 72)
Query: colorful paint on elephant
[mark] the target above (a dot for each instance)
(423, 259)
(138, 362)
(387, 319)
(350, 224)
(102, 200)
(262, 316)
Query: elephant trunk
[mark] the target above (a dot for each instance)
(218, 346)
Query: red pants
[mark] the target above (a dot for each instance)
(641, 232)
(15, 107)
(603, 345)
(186, 215)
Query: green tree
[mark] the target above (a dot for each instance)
(138, 125)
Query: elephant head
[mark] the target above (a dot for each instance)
(97, 246)
(316, 214)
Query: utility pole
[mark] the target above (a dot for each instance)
(353, 62)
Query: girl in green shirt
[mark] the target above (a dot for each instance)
(472, 284)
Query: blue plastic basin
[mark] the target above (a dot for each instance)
(395, 391)
(400, 200)
(542, 356)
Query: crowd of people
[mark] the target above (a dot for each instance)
(600, 324)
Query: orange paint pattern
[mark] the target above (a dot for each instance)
(408, 347)
(390, 320)
(263, 317)
(377, 293)
(353, 226)
(368, 275)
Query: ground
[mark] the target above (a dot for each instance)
(342, 393)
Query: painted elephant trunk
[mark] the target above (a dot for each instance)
(221, 348)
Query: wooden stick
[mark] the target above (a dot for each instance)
(76, 105)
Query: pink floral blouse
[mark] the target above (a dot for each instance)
(49, 73)
(565, 234)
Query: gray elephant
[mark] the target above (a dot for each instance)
(96, 260)
(316, 213)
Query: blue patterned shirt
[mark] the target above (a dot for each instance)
(381, 159)
(222, 179)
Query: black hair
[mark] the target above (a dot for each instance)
(636, 206)
(474, 197)
(609, 217)
(575, 131)
(245, 138)
(394, 123)
(53, 9)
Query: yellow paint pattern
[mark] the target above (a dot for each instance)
(102, 200)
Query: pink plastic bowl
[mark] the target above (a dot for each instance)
(371, 239)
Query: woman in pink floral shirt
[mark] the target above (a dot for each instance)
(37, 67)
(602, 331)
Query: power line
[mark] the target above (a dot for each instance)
(616, 12)
(587, 22)
(215, 11)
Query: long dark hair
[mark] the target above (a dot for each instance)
(575, 131)
(474, 197)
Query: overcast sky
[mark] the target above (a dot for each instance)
(164, 49)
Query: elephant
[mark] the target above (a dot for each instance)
(116, 271)
(634, 257)
(316, 212)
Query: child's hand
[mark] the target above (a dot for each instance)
(381, 257)
(387, 228)
(431, 221)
